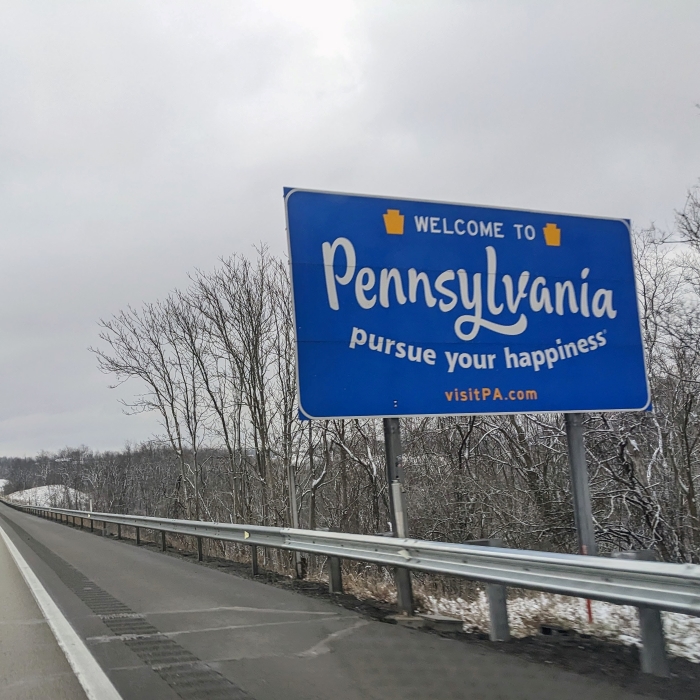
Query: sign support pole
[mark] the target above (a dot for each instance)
(583, 512)
(294, 514)
(394, 473)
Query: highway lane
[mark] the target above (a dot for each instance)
(166, 628)
(32, 665)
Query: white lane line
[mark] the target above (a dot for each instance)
(88, 672)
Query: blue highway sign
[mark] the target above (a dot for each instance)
(406, 307)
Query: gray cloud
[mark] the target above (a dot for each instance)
(139, 140)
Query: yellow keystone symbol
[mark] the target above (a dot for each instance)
(552, 235)
(393, 221)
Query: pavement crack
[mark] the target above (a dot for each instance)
(239, 608)
(127, 637)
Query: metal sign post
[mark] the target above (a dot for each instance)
(583, 512)
(394, 475)
(294, 515)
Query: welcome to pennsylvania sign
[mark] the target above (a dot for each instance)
(406, 307)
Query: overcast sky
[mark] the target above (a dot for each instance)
(139, 140)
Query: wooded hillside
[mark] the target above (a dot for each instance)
(215, 361)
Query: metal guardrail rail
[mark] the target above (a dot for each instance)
(672, 587)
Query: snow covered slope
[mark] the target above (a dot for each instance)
(53, 495)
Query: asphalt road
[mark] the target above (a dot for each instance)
(32, 665)
(165, 628)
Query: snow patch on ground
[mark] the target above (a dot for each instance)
(3, 483)
(526, 612)
(614, 622)
(54, 495)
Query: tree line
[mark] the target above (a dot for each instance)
(216, 363)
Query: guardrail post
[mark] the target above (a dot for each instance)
(138, 536)
(82, 523)
(119, 531)
(104, 528)
(499, 629)
(92, 526)
(162, 541)
(394, 473)
(254, 559)
(200, 556)
(653, 652)
(335, 574)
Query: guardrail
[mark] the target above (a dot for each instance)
(644, 584)
(673, 587)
